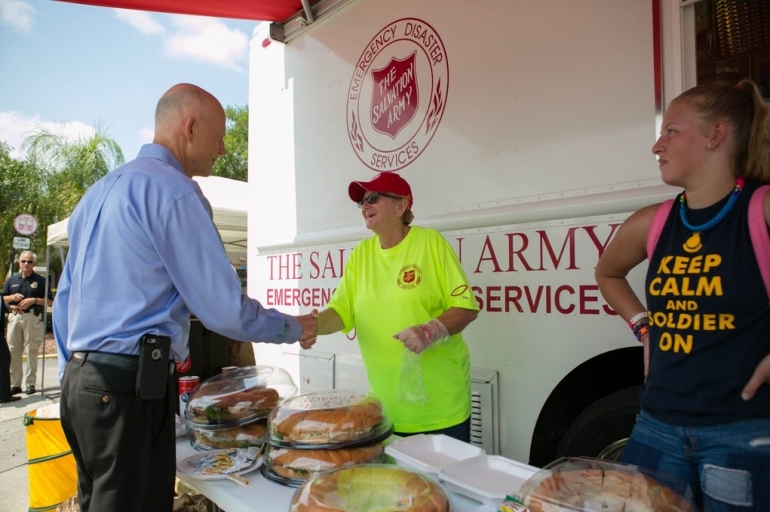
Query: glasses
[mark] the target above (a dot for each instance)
(29, 262)
(374, 197)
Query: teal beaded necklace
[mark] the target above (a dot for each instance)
(694, 241)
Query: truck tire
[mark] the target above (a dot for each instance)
(602, 430)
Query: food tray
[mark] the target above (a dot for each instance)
(370, 488)
(431, 452)
(330, 419)
(583, 483)
(237, 397)
(486, 478)
(271, 475)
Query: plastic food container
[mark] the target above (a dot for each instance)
(581, 483)
(292, 466)
(337, 418)
(431, 452)
(244, 436)
(486, 478)
(238, 397)
(371, 488)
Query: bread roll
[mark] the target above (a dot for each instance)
(320, 426)
(596, 489)
(301, 464)
(370, 488)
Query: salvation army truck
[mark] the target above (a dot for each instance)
(525, 130)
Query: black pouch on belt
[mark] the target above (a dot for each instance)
(152, 373)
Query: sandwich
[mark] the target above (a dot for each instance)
(243, 436)
(251, 403)
(321, 424)
(302, 464)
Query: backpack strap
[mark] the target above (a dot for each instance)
(760, 239)
(657, 225)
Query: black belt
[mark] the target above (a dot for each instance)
(120, 361)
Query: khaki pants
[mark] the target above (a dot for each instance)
(25, 333)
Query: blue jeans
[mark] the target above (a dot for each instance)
(726, 466)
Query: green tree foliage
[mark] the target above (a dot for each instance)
(49, 182)
(21, 191)
(235, 164)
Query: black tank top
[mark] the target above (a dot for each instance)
(710, 320)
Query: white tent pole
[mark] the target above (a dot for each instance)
(45, 310)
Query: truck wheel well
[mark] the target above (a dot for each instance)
(593, 380)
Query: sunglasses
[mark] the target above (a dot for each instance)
(26, 261)
(374, 197)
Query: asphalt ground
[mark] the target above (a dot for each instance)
(13, 445)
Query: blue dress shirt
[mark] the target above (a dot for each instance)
(144, 254)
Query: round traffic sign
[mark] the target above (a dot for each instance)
(25, 224)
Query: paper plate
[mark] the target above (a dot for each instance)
(195, 466)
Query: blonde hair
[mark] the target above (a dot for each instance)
(742, 107)
(407, 217)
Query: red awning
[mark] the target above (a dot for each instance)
(262, 10)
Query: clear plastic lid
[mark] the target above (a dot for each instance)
(582, 483)
(238, 397)
(329, 419)
(371, 488)
(292, 466)
(243, 436)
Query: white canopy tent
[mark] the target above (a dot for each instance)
(229, 202)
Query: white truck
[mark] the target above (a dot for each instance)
(524, 128)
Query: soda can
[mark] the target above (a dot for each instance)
(187, 385)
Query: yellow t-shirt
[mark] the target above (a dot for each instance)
(384, 291)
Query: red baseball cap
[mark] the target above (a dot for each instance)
(386, 182)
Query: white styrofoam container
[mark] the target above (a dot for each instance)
(486, 478)
(430, 452)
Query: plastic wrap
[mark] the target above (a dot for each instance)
(334, 418)
(371, 488)
(411, 385)
(416, 340)
(292, 466)
(584, 484)
(238, 397)
(243, 436)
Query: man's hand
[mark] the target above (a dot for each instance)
(27, 303)
(309, 334)
(761, 376)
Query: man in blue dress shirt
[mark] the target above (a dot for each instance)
(144, 255)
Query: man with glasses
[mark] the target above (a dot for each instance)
(24, 295)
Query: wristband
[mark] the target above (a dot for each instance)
(641, 329)
(637, 318)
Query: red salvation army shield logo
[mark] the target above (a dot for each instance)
(394, 99)
(397, 95)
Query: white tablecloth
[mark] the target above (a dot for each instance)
(264, 495)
